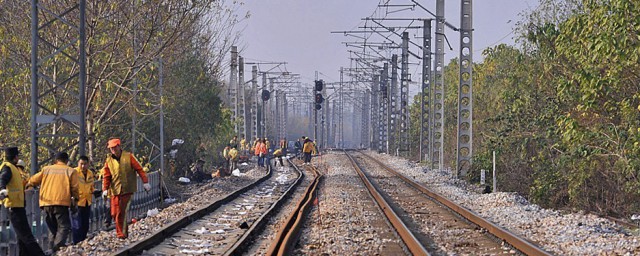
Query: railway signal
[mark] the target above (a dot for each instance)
(266, 95)
(319, 85)
(319, 98)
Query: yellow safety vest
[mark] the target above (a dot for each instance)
(123, 176)
(15, 188)
(233, 154)
(85, 187)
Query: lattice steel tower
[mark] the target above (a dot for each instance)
(465, 99)
(58, 80)
(425, 139)
(242, 113)
(383, 109)
(393, 106)
(255, 98)
(437, 134)
(365, 135)
(404, 95)
(374, 113)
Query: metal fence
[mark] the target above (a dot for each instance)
(140, 203)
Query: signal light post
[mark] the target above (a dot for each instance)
(318, 99)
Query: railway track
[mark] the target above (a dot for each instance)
(411, 242)
(346, 220)
(226, 226)
(443, 226)
(289, 232)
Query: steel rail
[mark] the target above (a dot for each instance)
(173, 227)
(246, 239)
(412, 243)
(289, 233)
(517, 242)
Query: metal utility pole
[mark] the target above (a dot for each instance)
(161, 85)
(233, 90)
(255, 117)
(335, 119)
(241, 118)
(393, 108)
(271, 112)
(315, 111)
(425, 105)
(134, 112)
(437, 118)
(404, 95)
(276, 117)
(383, 110)
(263, 110)
(341, 117)
(465, 96)
(324, 135)
(375, 123)
(67, 119)
(366, 141)
(312, 116)
(285, 113)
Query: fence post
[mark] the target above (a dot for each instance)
(495, 186)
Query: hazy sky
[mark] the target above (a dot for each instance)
(298, 31)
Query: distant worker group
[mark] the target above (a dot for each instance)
(261, 148)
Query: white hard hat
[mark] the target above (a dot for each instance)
(21, 163)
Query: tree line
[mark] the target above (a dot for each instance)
(561, 109)
(126, 44)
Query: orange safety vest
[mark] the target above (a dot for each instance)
(261, 148)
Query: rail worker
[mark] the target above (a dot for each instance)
(120, 170)
(227, 158)
(86, 181)
(58, 193)
(253, 146)
(315, 148)
(12, 194)
(197, 171)
(261, 152)
(267, 144)
(307, 149)
(278, 154)
(233, 158)
(284, 144)
(243, 145)
(234, 141)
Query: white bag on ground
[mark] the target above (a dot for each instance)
(152, 212)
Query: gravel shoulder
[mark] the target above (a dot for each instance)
(557, 232)
(195, 196)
